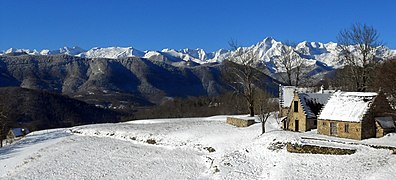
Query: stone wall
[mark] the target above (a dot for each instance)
(239, 122)
(354, 130)
(312, 149)
(311, 123)
(393, 149)
(379, 132)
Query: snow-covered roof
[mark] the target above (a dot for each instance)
(385, 122)
(286, 94)
(347, 106)
(19, 131)
(316, 98)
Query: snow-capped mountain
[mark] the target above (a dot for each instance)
(27, 51)
(112, 52)
(73, 51)
(199, 56)
(267, 52)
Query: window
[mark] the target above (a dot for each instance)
(333, 128)
(295, 106)
(324, 124)
(346, 128)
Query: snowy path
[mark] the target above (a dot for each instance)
(24, 151)
(121, 151)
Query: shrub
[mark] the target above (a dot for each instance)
(151, 141)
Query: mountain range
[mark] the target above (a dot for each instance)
(125, 78)
(267, 52)
(123, 83)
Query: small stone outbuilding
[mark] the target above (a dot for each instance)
(384, 125)
(356, 115)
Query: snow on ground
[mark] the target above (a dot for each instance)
(21, 152)
(181, 151)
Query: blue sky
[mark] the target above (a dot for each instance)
(207, 24)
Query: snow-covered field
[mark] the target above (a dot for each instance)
(181, 151)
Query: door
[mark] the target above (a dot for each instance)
(333, 128)
(296, 125)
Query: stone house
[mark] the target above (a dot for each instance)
(16, 134)
(304, 108)
(286, 94)
(356, 115)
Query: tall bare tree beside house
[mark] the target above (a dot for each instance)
(292, 63)
(358, 45)
(238, 71)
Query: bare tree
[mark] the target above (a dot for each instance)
(385, 80)
(3, 126)
(265, 106)
(358, 45)
(292, 63)
(240, 74)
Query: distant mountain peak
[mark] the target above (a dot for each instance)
(269, 40)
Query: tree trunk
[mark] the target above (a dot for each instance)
(289, 78)
(263, 127)
(251, 110)
(297, 76)
(1, 139)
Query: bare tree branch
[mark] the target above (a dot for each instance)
(241, 76)
(358, 45)
(292, 63)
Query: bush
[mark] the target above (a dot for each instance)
(151, 141)
(210, 149)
